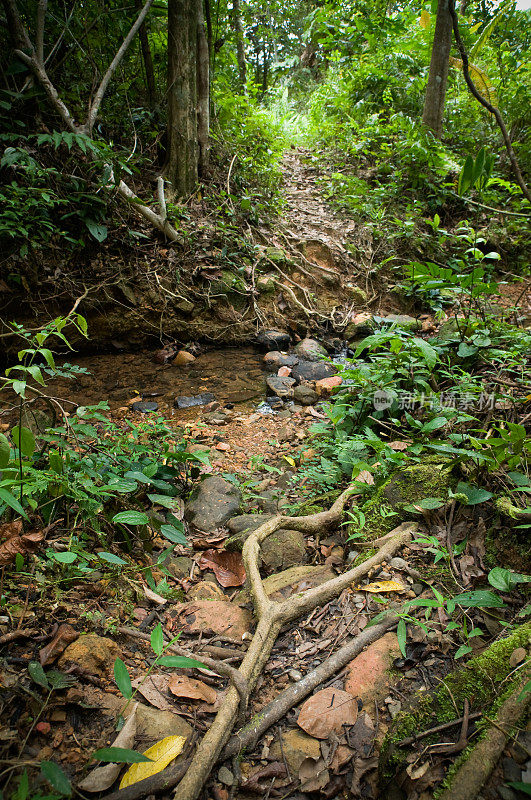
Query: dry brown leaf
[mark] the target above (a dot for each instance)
(9, 529)
(153, 596)
(102, 777)
(182, 686)
(313, 774)
(227, 567)
(64, 636)
(399, 445)
(364, 477)
(25, 543)
(153, 688)
(327, 711)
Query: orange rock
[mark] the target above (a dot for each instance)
(368, 674)
(183, 358)
(284, 372)
(218, 616)
(325, 385)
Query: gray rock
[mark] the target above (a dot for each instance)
(398, 563)
(310, 350)
(273, 339)
(213, 503)
(313, 370)
(225, 776)
(240, 528)
(281, 386)
(511, 770)
(506, 793)
(305, 395)
(283, 549)
(403, 321)
(196, 400)
(179, 566)
(145, 407)
(275, 359)
(270, 500)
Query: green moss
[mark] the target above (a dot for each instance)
(482, 680)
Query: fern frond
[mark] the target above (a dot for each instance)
(481, 80)
(489, 28)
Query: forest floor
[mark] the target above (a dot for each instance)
(327, 743)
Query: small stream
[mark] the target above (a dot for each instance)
(232, 375)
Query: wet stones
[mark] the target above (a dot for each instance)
(213, 503)
(280, 385)
(310, 350)
(313, 370)
(196, 400)
(274, 360)
(273, 339)
(305, 395)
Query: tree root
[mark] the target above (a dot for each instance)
(271, 617)
(467, 782)
(247, 737)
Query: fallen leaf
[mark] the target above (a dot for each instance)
(227, 567)
(223, 446)
(273, 770)
(399, 445)
(182, 686)
(313, 774)
(43, 727)
(361, 735)
(161, 754)
(361, 767)
(364, 477)
(25, 543)
(102, 777)
(153, 596)
(64, 636)
(381, 586)
(153, 688)
(326, 711)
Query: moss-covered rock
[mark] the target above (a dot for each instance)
(483, 681)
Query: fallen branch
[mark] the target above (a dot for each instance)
(272, 616)
(437, 729)
(247, 737)
(472, 775)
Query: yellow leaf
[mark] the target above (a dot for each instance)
(425, 19)
(161, 754)
(290, 460)
(382, 586)
(481, 81)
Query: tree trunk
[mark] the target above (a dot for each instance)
(203, 90)
(148, 60)
(182, 158)
(240, 45)
(433, 113)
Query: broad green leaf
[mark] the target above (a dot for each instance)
(463, 651)
(170, 532)
(520, 786)
(123, 681)
(481, 598)
(179, 662)
(11, 501)
(162, 500)
(24, 440)
(137, 476)
(120, 755)
(37, 674)
(111, 558)
(5, 450)
(131, 518)
(479, 164)
(65, 558)
(56, 777)
(157, 640)
(429, 353)
(504, 580)
(19, 387)
(98, 231)
(434, 424)
(474, 494)
(465, 176)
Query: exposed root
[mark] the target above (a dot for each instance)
(468, 780)
(271, 617)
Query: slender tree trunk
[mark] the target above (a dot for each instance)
(182, 160)
(203, 91)
(240, 45)
(148, 60)
(265, 70)
(433, 113)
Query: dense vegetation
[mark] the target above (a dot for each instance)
(169, 152)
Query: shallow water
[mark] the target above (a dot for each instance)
(232, 375)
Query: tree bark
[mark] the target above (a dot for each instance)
(147, 59)
(203, 91)
(182, 159)
(432, 116)
(240, 45)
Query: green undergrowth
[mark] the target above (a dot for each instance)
(485, 681)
